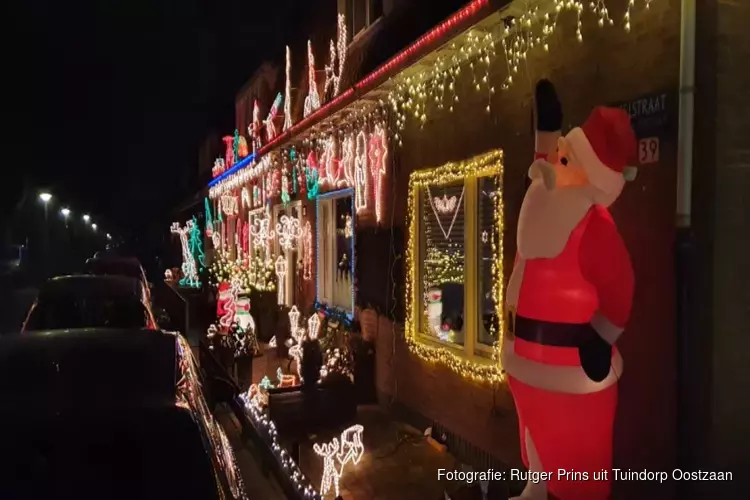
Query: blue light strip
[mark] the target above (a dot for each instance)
(341, 193)
(237, 167)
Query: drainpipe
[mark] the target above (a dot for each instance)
(684, 250)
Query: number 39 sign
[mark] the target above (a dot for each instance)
(648, 150)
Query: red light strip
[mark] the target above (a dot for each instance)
(398, 62)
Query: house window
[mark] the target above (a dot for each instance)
(360, 14)
(335, 253)
(286, 228)
(454, 264)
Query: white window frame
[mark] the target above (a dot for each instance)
(328, 227)
(291, 262)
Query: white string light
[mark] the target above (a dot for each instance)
(348, 449)
(313, 326)
(307, 259)
(297, 334)
(347, 163)
(272, 113)
(330, 480)
(229, 205)
(329, 163)
(288, 231)
(445, 205)
(312, 101)
(436, 213)
(281, 275)
(361, 173)
(337, 55)
(288, 92)
(188, 261)
(378, 156)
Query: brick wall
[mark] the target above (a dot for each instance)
(608, 67)
(717, 406)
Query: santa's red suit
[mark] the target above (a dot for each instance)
(568, 300)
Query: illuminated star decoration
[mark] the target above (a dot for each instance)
(189, 271)
(288, 92)
(347, 162)
(312, 101)
(281, 275)
(338, 55)
(289, 231)
(378, 156)
(361, 173)
(272, 113)
(307, 258)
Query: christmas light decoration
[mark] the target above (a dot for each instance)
(219, 167)
(236, 147)
(335, 69)
(307, 260)
(281, 278)
(347, 163)
(285, 198)
(348, 449)
(196, 244)
(445, 204)
(272, 342)
(312, 182)
(229, 205)
(243, 149)
(189, 271)
(238, 178)
(313, 326)
(285, 380)
(242, 314)
(296, 335)
(254, 128)
(229, 153)
(378, 155)
(288, 231)
(245, 237)
(272, 113)
(245, 198)
(312, 101)
(489, 164)
(209, 219)
(226, 304)
(361, 173)
(329, 171)
(348, 226)
(288, 92)
(262, 231)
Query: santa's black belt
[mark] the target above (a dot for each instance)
(594, 352)
(552, 334)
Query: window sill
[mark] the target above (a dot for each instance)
(481, 356)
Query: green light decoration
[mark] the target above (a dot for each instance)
(294, 178)
(312, 183)
(285, 188)
(292, 155)
(209, 219)
(236, 146)
(196, 244)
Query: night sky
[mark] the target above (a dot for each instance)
(108, 100)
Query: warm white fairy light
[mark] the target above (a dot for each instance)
(347, 162)
(351, 447)
(312, 101)
(229, 205)
(235, 181)
(288, 231)
(313, 326)
(307, 259)
(378, 155)
(445, 205)
(245, 198)
(281, 277)
(348, 449)
(335, 69)
(189, 270)
(296, 335)
(348, 226)
(288, 92)
(329, 163)
(361, 173)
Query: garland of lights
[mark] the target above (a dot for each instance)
(312, 101)
(489, 164)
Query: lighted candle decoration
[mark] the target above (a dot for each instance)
(313, 326)
(281, 276)
(348, 448)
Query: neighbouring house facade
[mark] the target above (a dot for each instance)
(383, 195)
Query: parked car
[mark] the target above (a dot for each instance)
(109, 265)
(115, 414)
(87, 301)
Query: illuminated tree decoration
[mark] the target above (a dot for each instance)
(312, 101)
(254, 128)
(196, 244)
(361, 173)
(243, 150)
(347, 162)
(338, 58)
(272, 114)
(209, 219)
(229, 205)
(281, 278)
(313, 326)
(189, 271)
(289, 231)
(307, 260)
(229, 152)
(288, 92)
(378, 157)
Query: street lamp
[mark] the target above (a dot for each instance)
(45, 197)
(65, 212)
(109, 236)
(86, 218)
(93, 226)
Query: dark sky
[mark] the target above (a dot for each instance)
(109, 99)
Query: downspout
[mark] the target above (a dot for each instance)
(684, 244)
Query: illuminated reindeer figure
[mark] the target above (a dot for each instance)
(189, 270)
(348, 449)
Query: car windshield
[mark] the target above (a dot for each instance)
(114, 268)
(128, 455)
(67, 312)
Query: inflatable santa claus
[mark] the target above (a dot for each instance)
(568, 300)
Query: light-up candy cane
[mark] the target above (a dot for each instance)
(378, 158)
(361, 173)
(281, 275)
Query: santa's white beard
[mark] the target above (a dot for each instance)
(548, 216)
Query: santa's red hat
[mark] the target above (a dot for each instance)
(603, 146)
